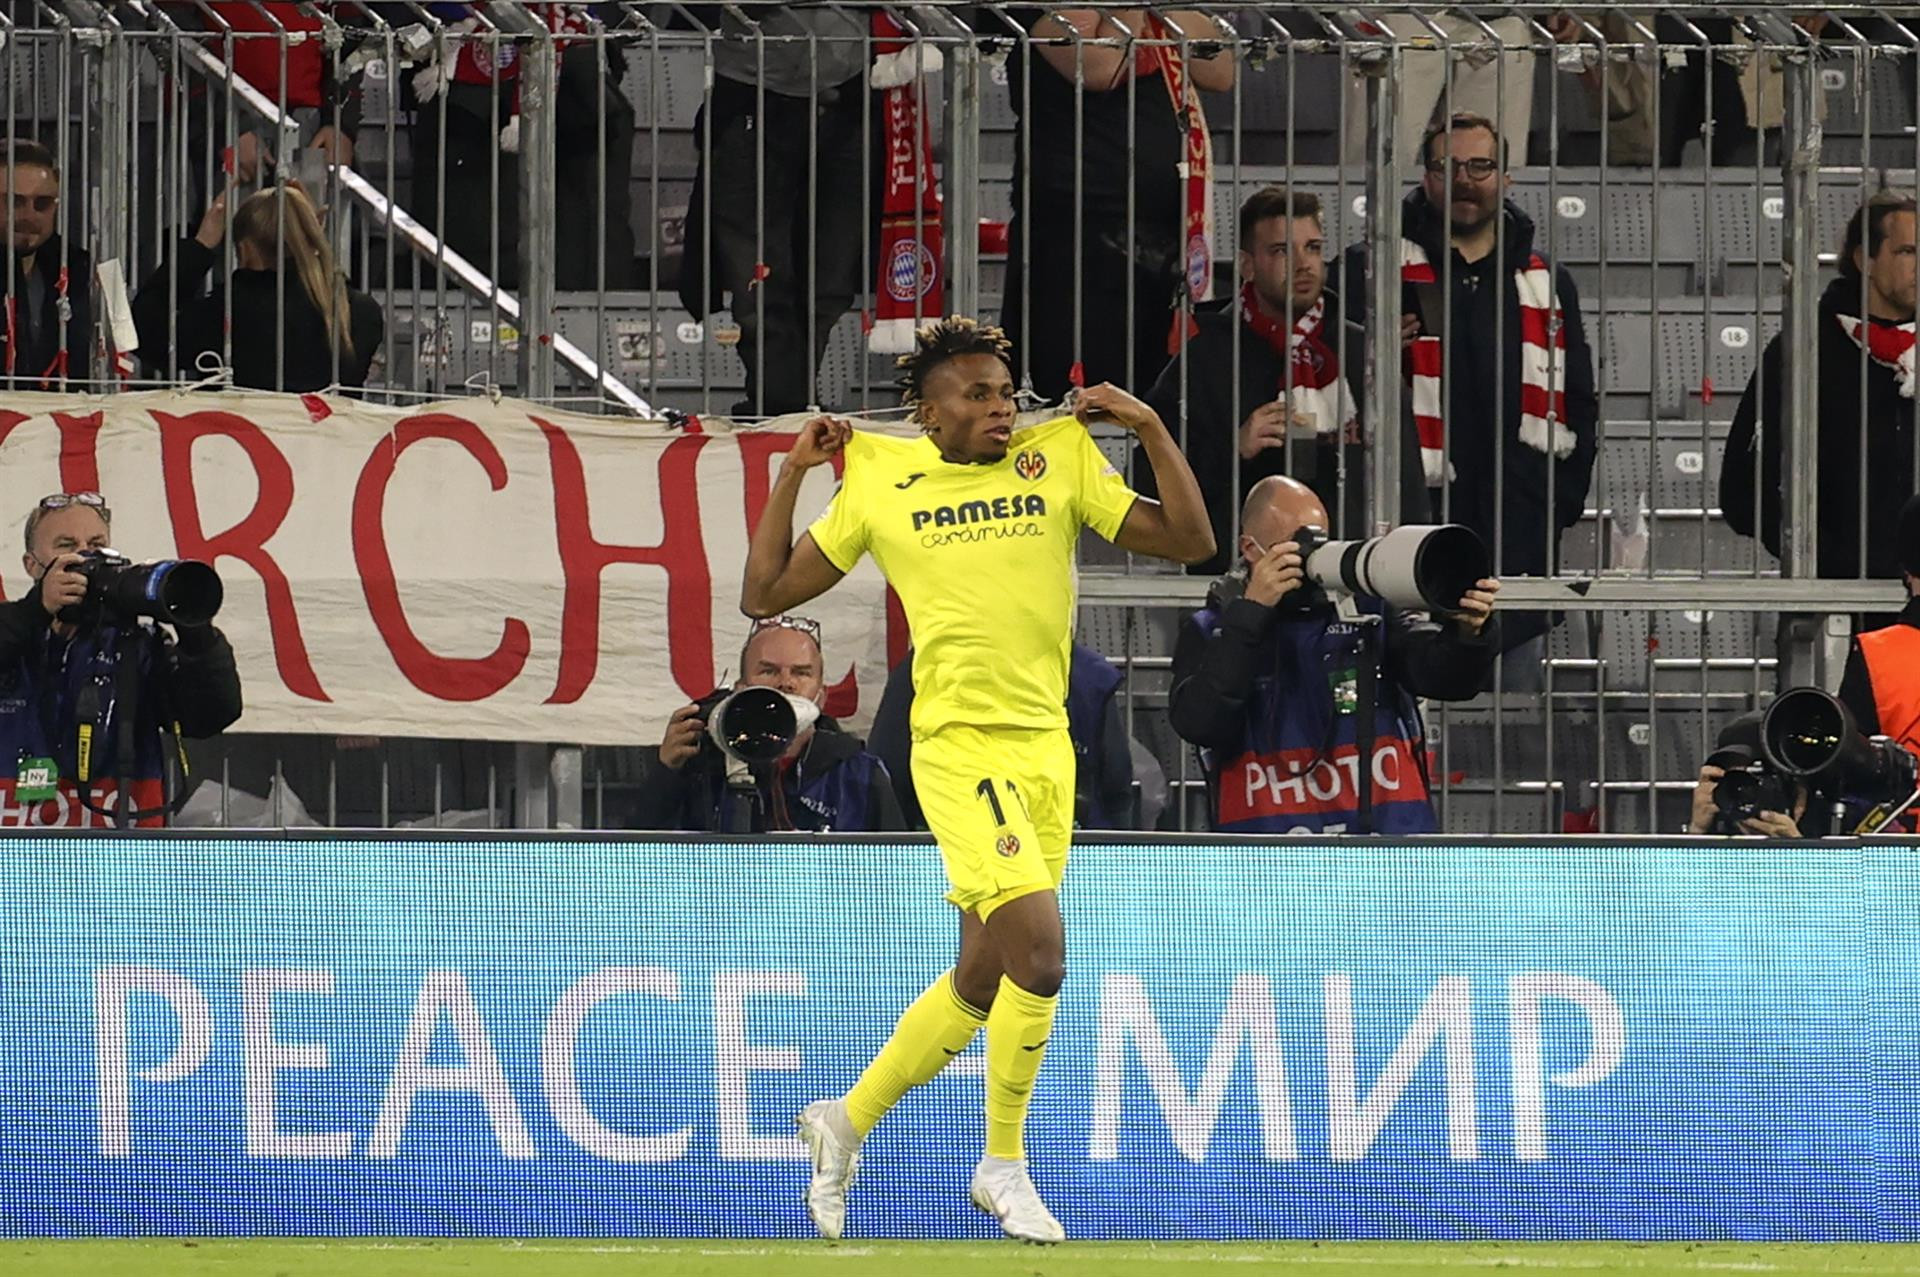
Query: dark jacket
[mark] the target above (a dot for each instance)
(1103, 771)
(1259, 685)
(200, 323)
(50, 685)
(32, 349)
(1214, 413)
(1758, 438)
(834, 785)
(1472, 404)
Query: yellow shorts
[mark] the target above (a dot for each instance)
(1000, 803)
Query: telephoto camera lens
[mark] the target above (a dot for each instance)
(1419, 567)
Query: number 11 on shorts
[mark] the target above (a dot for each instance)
(985, 790)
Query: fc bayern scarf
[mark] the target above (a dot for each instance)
(909, 292)
(1196, 166)
(1543, 366)
(1889, 345)
(1314, 390)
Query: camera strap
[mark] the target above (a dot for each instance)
(1366, 676)
(124, 713)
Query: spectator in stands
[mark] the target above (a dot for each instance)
(1482, 85)
(1737, 749)
(68, 667)
(49, 299)
(323, 100)
(1272, 684)
(1733, 106)
(1501, 385)
(293, 322)
(1290, 411)
(476, 100)
(783, 134)
(1877, 281)
(1103, 776)
(825, 782)
(1111, 160)
(1623, 86)
(1881, 684)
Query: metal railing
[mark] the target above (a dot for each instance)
(1691, 171)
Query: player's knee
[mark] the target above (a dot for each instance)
(1042, 969)
(1046, 978)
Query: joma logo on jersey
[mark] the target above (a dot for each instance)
(1030, 464)
(950, 516)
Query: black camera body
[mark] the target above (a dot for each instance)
(172, 591)
(1749, 786)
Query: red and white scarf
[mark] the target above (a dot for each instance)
(1543, 365)
(910, 291)
(1889, 345)
(1196, 165)
(480, 60)
(55, 371)
(1314, 391)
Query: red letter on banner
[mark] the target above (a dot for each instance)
(449, 678)
(682, 552)
(247, 539)
(79, 448)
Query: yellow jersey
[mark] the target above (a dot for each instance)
(982, 557)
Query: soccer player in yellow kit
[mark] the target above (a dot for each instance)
(975, 525)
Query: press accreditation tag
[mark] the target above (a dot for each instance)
(1346, 690)
(37, 781)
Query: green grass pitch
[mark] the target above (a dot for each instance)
(369, 1258)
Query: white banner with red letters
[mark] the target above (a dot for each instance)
(469, 569)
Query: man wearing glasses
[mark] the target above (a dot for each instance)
(1501, 379)
(48, 313)
(975, 524)
(825, 781)
(66, 671)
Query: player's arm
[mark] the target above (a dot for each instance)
(781, 575)
(1176, 526)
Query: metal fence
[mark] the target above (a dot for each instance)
(663, 209)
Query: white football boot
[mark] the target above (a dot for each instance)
(835, 1162)
(1005, 1191)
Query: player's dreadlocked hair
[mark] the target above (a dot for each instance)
(934, 344)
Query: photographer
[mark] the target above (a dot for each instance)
(824, 782)
(1271, 681)
(1758, 800)
(88, 693)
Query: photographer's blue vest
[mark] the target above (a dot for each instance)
(835, 798)
(1296, 769)
(41, 700)
(1091, 680)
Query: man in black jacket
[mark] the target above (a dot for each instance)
(1877, 281)
(1274, 684)
(70, 674)
(1501, 385)
(48, 317)
(1289, 410)
(826, 781)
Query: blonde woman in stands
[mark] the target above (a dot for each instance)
(293, 322)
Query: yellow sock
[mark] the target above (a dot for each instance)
(1017, 1032)
(932, 1031)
